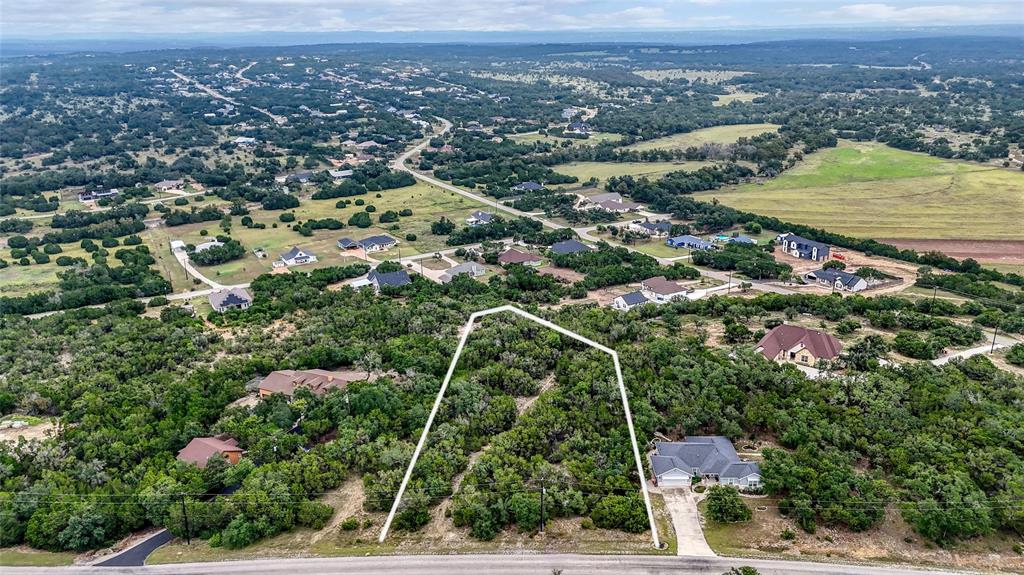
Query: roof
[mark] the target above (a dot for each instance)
(340, 173)
(616, 205)
(656, 226)
(741, 239)
(528, 187)
(210, 244)
(200, 449)
(379, 240)
(804, 244)
(786, 337)
(169, 183)
(471, 268)
(713, 455)
(514, 256)
(229, 297)
(634, 298)
(831, 275)
(662, 286)
(608, 197)
(319, 381)
(389, 279)
(293, 253)
(484, 217)
(346, 243)
(570, 247)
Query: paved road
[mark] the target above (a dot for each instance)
(183, 259)
(492, 565)
(1002, 341)
(136, 556)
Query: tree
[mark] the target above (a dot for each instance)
(1015, 355)
(726, 506)
(442, 227)
(360, 220)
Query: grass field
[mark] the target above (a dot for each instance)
(427, 202)
(24, 557)
(715, 135)
(594, 139)
(871, 190)
(604, 170)
(727, 99)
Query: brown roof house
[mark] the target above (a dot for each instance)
(514, 256)
(661, 290)
(795, 344)
(201, 449)
(319, 381)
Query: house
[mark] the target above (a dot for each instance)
(741, 239)
(302, 177)
(297, 257)
(318, 381)
(578, 128)
(803, 248)
(677, 464)
(838, 279)
(689, 242)
(207, 245)
(527, 187)
(648, 228)
(617, 207)
(388, 279)
(177, 246)
(97, 194)
(167, 185)
(472, 269)
(629, 301)
(661, 290)
(379, 243)
(569, 247)
(234, 298)
(514, 256)
(479, 218)
(338, 175)
(795, 344)
(608, 197)
(245, 141)
(199, 451)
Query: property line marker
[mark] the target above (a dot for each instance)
(466, 329)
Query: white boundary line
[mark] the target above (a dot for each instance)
(448, 377)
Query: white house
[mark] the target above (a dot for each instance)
(297, 257)
(661, 290)
(629, 301)
(479, 218)
(837, 279)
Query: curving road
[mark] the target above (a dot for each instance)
(493, 565)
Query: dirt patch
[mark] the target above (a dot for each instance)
(985, 251)
(347, 501)
(29, 432)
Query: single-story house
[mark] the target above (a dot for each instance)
(676, 464)
(527, 187)
(472, 269)
(166, 185)
(297, 257)
(479, 218)
(97, 194)
(617, 207)
(569, 247)
(839, 279)
(578, 128)
(340, 174)
(199, 451)
(379, 243)
(207, 245)
(742, 239)
(319, 381)
(630, 300)
(245, 141)
(689, 242)
(302, 177)
(514, 256)
(177, 245)
(234, 298)
(803, 248)
(648, 228)
(348, 244)
(796, 344)
(661, 290)
(388, 279)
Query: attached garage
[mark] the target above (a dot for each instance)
(675, 478)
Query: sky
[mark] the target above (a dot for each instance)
(113, 18)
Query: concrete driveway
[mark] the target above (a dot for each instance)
(682, 506)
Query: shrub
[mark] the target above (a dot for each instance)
(410, 237)
(787, 534)
(405, 213)
(726, 506)
(181, 201)
(157, 301)
(287, 217)
(371, 208)
(350, 524)
(1016, 354)
(620, 512)
(109, 242)
(314, 514)
(360, 220)
(132, 240)
(52, 249)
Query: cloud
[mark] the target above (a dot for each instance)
(921, 14)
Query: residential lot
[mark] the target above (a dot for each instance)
(715, 135)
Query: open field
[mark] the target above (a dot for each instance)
(18, 280)
(892, 541)
(604, 170)
(873, 191)
(594, 139)
(26, 557)
(726, 99)
(706, 76)
(715, 135)
(1009, 254)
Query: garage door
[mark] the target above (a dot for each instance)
(674, 481)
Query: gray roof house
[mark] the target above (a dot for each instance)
(803, 248)
(234, 298)
(527, 187)
(675, 464)
(348, 244)
(378, 243)
(472, 269)
(629, 301)
(651, 228)
(388, 279)
(839, 279)
(569, 247)
(479, 218)
(690, 242)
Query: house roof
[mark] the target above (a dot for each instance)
(662, 286)
(831, 275)
(485, 217)
(741, 239)
(514, 256)
(379, 240)
(786, 337)
(200, 449)
(229, 297)
(293, 253)
(608, 197)
(346, 243)
(656, 226)
(708, 454)
(389, 279)
(570, 247)
(528, 187)
(634, 298)
(471, 268)
(804, 244)
(691, 241)
(340, 173)
(616, 205)
(319, 381)
(210, 244)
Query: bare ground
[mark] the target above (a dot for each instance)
(984, 251)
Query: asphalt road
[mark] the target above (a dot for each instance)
(491, 565)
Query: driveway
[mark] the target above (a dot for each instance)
(686, 520)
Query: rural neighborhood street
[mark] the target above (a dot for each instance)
(491, 565)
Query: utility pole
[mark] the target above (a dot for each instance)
(994, 333)
(935, 290)
(542, 505)
(184, 513)
(728, 288)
